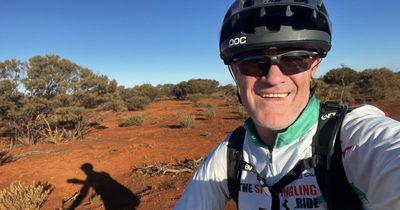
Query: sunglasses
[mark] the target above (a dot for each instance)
(291, 62)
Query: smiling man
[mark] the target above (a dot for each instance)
(293, 152)
(274, 95)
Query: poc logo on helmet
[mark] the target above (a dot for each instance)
(237, 41)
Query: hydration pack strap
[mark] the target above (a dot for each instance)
(235, 147)
(324, 142)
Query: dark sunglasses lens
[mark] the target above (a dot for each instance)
(295, 64)
(254, 67)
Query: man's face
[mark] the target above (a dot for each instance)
(275, 100)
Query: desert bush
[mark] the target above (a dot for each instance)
(210, 114)
(202, 86)
(24, 119)
(186, 121)
(231, 97)
(66, 124)
(137, 102)
(343, 76)
(166, 90)
(181, 90)
(22, 196)
(147, 90)
(334, 92)
(228, 87)
(73, 121)
(133, 120)
(117, 105)
(88, 100)
(377, 83)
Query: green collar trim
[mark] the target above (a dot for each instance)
(303, 123)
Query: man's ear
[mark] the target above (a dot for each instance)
(315, 66)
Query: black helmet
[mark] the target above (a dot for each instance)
(258, 24)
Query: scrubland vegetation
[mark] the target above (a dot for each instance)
(352, 87)
(49, 99)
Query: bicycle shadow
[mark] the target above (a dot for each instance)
(113, 194)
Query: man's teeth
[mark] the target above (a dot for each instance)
(274, 95)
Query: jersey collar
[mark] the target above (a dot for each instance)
(303, 123)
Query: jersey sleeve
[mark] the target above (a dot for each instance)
(208, 188)
(371, 157)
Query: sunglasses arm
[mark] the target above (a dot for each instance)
(232, 74)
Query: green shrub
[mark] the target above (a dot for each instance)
(186, 121)
(231, 96)
(133, 120)
(210, 114)
(21, 196)
(181, 90)
(137, 102)
(202, 86)
(115, 105)
(147, 90)
(166, 91)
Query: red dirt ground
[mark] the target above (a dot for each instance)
(117, 151)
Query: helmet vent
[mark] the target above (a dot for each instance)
(248, 3)
(302, 1)
(289, 11)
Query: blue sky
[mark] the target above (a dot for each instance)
(158, 41)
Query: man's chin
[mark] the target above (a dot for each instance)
(273, 125)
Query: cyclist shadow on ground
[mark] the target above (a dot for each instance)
(113, 194)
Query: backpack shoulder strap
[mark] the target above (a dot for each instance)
(329, 172)
(234, 156)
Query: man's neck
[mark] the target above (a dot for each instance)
(267, 136)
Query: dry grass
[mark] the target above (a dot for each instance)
(186, 121)
(133, 120)
(210, 114)
(22, 196)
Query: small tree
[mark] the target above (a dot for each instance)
(181, 90)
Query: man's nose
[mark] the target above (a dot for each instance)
(274, 75)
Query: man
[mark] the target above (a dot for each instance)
(273, 49)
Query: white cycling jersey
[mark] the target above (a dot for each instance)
(371, 159)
